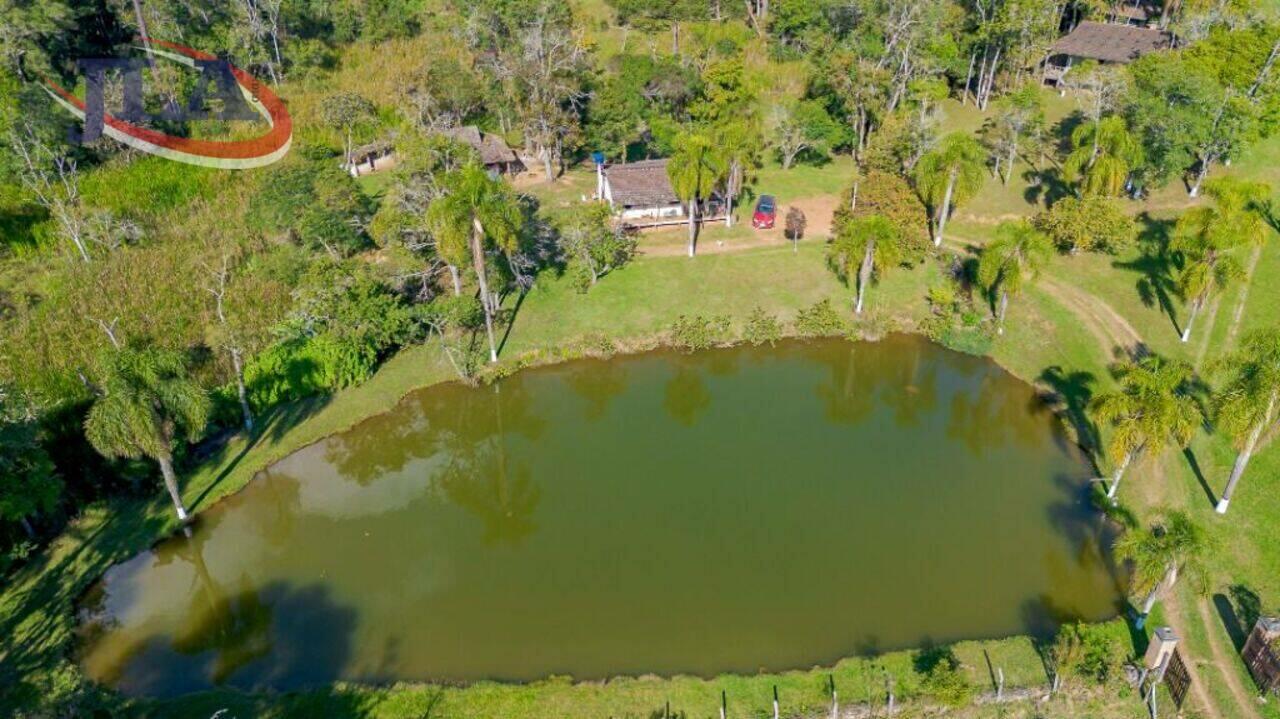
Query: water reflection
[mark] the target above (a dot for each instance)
(663, 513)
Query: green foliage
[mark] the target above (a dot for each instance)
(1102, 156)
(945, 683)
(147, 401)
(314, 202)
(592, 244)
(1175, 546)
(695, 332)
(761, 327)
(820, 320)
(1093, 652)
(958, 163)
(1155, 406)
(345, 323)
(1090, 223)
(28, 483)
(890, 196)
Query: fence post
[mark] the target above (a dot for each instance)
(775, 701)
(999, 683)
(835, 698)
(724, 703)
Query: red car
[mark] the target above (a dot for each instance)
(766, 213)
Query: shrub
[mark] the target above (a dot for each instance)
(697, 332)
(946, 684)
(820, 320)
(1090, 651)
(762, 327)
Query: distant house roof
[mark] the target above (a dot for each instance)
(1132, 11)
(493, 150)
(1110, 42)
(640, 184)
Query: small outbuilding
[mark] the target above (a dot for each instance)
(1103, 42)
(374, 157)
(639, 190)
(495, 154)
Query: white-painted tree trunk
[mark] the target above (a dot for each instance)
(1246, 453)
(1004, 308)
(693, 225)
(171, 484)
(1195, 310)
(477, 258)
(945, 210)
(1119, 474)
(864, 275)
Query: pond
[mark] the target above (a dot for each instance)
(726, 511)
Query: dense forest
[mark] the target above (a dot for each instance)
(150, 310)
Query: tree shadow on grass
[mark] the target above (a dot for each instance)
(1238, 612)
(1157, 266)
(1194, 464)
(272, 424)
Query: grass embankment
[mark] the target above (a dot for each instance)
(634, 305)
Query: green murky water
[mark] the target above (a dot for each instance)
(728, 511)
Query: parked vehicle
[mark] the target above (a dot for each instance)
(766, 213)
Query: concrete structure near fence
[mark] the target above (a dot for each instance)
(1260, 654)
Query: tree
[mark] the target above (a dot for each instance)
(1206, 235)
(1154, 407)
(1018, 253)
(1174, 546)
(28, 483)
(1102, 157)
(1246, 406)
(884, 193)
(1087, 223)
(345, 111)
(803, 127)
(1016, 126)
(541, 66)
(146, 403)
(695, 169)
(794, 229)
(863, 246)
(739, 148)
(950, 175)
(475, 213)
(593, 243)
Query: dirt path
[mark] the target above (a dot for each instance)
(1113, 330)
(819, 213)
(1238, 316)
(1174, 613)
(1223, 661)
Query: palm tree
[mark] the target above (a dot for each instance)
(1204, 236)
(950, 174)
(1014, 259)
(476, 212)
(739, 146)
(1246, 407)
(146, 401)
(1174, 546)
(694, 169)
(870, 244)
(1153, 407)
(1104, 153)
